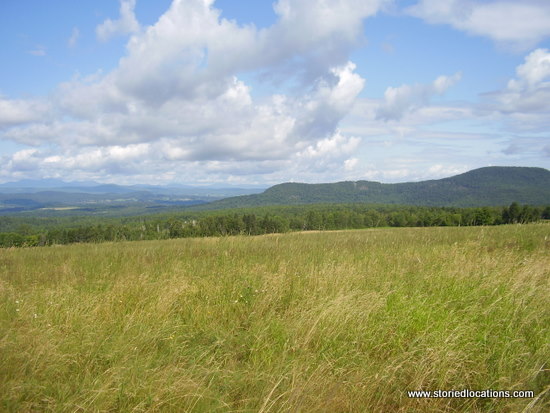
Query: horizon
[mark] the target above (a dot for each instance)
(214, 185)
(201, 92)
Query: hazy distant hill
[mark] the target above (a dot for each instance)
(28, 186)
(52, 196)
(491, 186)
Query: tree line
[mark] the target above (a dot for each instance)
(274, 220)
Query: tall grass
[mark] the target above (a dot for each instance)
(332, 321)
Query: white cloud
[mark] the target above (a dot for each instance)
(192, 52)
(530, 91)
(527, 97)
(126, 24)
(231, 128)
(23, 160)
(110, 159)
(178, 105)
(329, 147)
(321, 31)
(400, 100)
(21, 111)
(521, 24)
(533, 72)
(350, 164)
(178, 91)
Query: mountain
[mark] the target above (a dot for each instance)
(28, 186)
(53, 196)
(490, 186)
(35, 185)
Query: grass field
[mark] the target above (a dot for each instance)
(303, 322)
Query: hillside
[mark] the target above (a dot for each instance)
(490, 186)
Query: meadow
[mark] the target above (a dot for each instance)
(342, 321)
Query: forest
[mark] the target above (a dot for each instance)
(21, 232)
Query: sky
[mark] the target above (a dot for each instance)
(258, 93)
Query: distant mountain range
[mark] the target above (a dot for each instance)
(90, 187)
(52, 196)
(490, 186)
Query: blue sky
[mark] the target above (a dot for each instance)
(235, 92)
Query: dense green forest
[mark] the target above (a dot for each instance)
(17, 232)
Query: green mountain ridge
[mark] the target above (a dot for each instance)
(489, 186)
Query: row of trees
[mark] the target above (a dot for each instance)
(277, 221)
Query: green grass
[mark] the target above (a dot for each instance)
(304, 322)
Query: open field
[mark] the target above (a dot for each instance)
(330, 321)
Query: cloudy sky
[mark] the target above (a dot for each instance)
(268, 91)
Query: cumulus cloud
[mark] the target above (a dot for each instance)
(519, 24)
(20, 163)
(400, 100)
(126, 24)
(229, 126)
(107, 159)
(192, 52)
(329, 147)
(178, 96)
(534, 71)
(152, 162)
(530, 90)
(21, 111)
